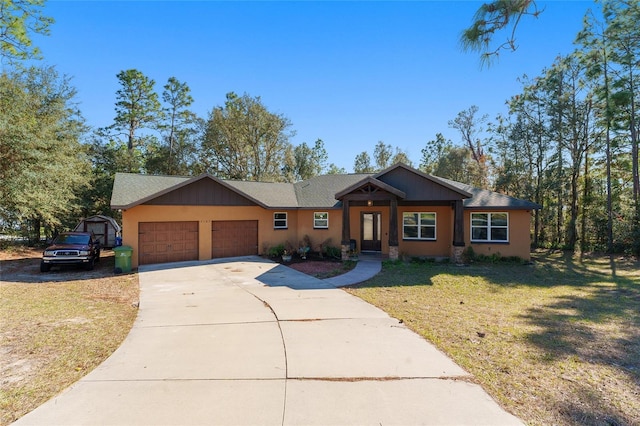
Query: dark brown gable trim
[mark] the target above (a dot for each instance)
(201, 192)
(367, 187)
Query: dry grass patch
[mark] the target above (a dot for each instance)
(57, 327)
(556, 342)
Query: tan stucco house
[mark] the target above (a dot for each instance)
(398, 211)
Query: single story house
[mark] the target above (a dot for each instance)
(398, 211)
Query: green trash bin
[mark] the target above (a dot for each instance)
(123, 259)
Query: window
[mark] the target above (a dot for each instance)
(280, 220)
(490, 227)
(320, 220)
(418, 226)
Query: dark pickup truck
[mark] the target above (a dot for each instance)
(72, 248)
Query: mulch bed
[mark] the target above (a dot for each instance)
(319, 267)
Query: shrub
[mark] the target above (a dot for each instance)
(276, 251)
(468, 255)
(332, 251)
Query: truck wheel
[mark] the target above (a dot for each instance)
(44, 267)
(89, 266)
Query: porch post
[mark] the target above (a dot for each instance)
(393, 230)
(458, 231)
(346, 234)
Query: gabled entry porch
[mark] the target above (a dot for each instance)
(377, 207)
(374, 215)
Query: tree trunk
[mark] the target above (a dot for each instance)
(585, 203)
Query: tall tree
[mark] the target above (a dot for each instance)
(595, 55)
(19, 19)
(180, 128)
(137, 107)
(243, 140)
(107, 158)
(470, 127)
(362, 163)
(531, 131)
(307, 161)
(335, 170)
(43, 166)
(433, 152)
(622, 17)
(180, 124)
(491, 18)
(401, 156)
(382, 155)
(457, 164)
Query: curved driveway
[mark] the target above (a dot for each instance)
(246, 341)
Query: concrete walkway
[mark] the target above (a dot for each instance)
(367, 267)
(250, 342)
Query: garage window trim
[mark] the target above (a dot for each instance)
(320, 220)
(419, 226)
(280, 220)
(490, 227)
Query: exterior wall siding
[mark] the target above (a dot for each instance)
(300, 223)
(519, 235)
(442, 246)
(318, 236)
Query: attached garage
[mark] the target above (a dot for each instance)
(234, 238)
(162, 242)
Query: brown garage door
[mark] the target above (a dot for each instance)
(234, 238)
(162, 242)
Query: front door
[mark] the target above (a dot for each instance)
(370, 232)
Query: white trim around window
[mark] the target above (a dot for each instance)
(490, 227)
(280, 220)
(419, 226)
(320, 220)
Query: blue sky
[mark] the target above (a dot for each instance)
(350, 73)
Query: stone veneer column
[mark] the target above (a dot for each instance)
(393, 252)
(345, 251)
(457, 254)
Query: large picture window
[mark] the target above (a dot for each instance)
(490, 227)
(321, 220)
(418, 226)
(280, 220)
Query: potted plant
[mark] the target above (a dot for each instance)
(286, 256)
(302, 251)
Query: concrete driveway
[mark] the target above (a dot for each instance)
(246, 341)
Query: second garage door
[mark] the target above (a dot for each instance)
(234, 238)
(162, 242)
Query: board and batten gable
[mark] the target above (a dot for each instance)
(420, 187)
(203, 192)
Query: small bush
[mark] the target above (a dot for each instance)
(468, 255)
(333, 252)
(276, 251)
(391, 262)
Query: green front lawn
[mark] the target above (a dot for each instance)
(554, 342)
